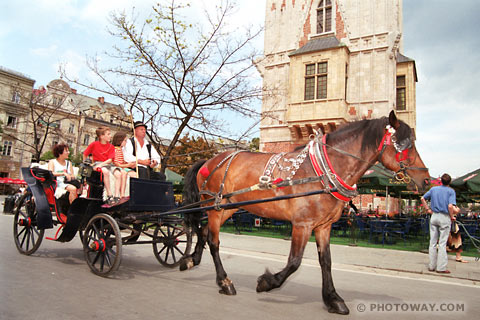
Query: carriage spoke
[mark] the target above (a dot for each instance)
(163, 233)
(107, 258)
(166, 254)
(102, 261)
(36, 231)
(97, 255)
(22, 231)
(24, 237)
(162, 249)
(28, 239)
(179, 251)
(173, 253)
(32, 236)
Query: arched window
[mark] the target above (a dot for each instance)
(324, 16)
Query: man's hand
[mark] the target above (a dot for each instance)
(153, 163)
(144, 162)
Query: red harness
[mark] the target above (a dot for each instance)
(319, 172)
(401, 155)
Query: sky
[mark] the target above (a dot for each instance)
(36, 36)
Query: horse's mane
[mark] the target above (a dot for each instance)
(373, 131)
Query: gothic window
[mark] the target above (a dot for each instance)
(324, 16)
(401, 93)
(316, 81)
(86, 139)
(71, 128)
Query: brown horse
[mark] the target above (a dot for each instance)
(350, 150)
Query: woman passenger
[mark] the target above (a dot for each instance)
(63, 170)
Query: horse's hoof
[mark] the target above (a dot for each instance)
(227, 287)
(186, 264)
(338, 307)
(264, 282)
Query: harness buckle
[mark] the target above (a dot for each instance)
(264, 182)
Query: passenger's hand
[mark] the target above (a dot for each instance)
(153, 163)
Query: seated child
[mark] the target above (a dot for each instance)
(103, 153)
(122, 168)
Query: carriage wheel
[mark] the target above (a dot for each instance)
(102, 245)
(26, 234)
(171, 242)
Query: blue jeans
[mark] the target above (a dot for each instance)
(439, 229)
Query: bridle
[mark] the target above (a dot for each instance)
(403, 149)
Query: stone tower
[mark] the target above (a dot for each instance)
(327, 62)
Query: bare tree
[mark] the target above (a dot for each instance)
(190, 76)
(43, 113)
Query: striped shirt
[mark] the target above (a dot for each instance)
(118, 160)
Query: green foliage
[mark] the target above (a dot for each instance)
(255, 144)
(47, 156)
(188, 151)
(75, 159)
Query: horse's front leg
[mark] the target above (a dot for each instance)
(194, 259)
(225, 284)
(269, 281)
(332, 300)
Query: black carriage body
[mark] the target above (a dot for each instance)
(150, 195)
(42, 183)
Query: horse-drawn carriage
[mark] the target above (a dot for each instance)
(103, 229)
(310, 194)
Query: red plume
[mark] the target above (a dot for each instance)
(204, 172)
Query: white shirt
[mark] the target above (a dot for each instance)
(142, 152)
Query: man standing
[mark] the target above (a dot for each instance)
(442, 202)
(147, 156)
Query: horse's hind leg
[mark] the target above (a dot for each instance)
(332, 300)
(269, 281)
(225, 284)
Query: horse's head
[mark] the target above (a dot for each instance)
(398, 153)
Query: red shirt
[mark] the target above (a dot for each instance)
(100, 152)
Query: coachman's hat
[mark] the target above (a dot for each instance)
(139, 124)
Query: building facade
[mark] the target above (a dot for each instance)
(48, 115)
(328, 62)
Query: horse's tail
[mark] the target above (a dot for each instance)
(191, 193)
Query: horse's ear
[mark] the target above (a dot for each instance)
(392, 119)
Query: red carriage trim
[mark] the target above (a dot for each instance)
(38, 178)
(56, 233)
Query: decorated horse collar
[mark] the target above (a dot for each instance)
(323, 168)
